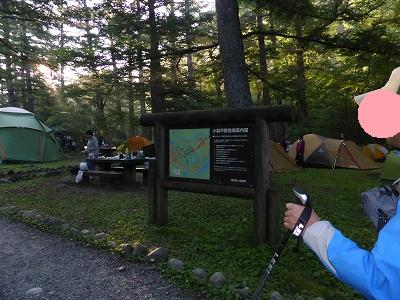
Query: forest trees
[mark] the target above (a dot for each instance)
(103, 63)
(24, 36)
(237, 90)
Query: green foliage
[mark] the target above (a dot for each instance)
(348, 47)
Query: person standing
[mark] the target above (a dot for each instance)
(301, 144)
(92, 148)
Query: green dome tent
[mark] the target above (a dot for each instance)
(23, 137)
(391, 167)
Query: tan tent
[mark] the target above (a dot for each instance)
(279, 161)
(322, 151)
(375, 152)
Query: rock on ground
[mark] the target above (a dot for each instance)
(34, 292)
(158, 254)
(175, 264)
(217, 279)
(199, 274)
(275, 296)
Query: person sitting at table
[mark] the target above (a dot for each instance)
(92, 148)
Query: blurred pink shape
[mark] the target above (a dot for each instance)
(378, 113)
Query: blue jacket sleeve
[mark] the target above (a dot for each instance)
(375, 273)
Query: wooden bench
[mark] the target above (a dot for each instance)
(117, 169)
(139, 169)
(105, 175)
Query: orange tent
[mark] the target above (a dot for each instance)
(136, 143)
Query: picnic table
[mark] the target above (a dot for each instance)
(107, 151)
(125, 166)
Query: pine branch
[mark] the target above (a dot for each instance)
(15, 51)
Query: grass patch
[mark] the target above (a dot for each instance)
(69, 159)
(213, 232)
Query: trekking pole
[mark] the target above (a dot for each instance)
(303, 199)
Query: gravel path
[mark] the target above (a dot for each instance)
(66, 269)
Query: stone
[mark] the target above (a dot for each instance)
(274, 295)
(53, 221)
(101, 236)
(39, 217)
(65, 227)
(85, 231)
(121, 269)
(318, 298)
(112, 244)
(9, 209)
(176, 264)
(158, 254)
(242, 293)
(217, 279)
(73, 230)
(34, 292)
(28, 214)
(199, 274)
(126, 249)
(139, 250)
(15, 177)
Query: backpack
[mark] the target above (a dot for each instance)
(380, 204)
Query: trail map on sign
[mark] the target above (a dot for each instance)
(189, 153)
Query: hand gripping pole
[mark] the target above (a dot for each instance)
(302, 198)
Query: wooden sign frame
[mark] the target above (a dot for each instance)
(265, 209)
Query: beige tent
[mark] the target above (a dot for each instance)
(322, 151)
(279, 161)
(375, 152)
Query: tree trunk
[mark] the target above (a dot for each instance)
(156, 88)
(30, 100)
(62, 63)
(12, 100)
(141, 86)
(236, 84)
(301, 77)
(98, 100)
(188, 36)
(116, 97)
(266, 98)
(174, 59)
(131, 103)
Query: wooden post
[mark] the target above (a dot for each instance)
(273, 220)
(161, 194)
(151, 183)
(261, 159)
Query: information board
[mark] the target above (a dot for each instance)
(189, 153)
(221, 155)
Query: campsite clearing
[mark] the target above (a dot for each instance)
(215, 239)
